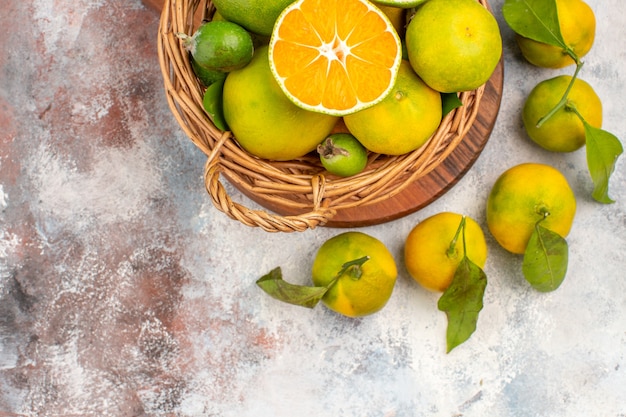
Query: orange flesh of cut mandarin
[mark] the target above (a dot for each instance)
(333, 56)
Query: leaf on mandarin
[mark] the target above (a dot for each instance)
(603, 149)
(212, 103)
(462, 301)
(534, 19)
(274, 285)
(450, 101)
(545, 259)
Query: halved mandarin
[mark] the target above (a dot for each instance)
(334, 56)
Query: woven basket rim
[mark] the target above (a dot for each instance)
(301, 185)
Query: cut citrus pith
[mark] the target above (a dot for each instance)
(334, 57)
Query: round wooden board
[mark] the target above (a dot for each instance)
(430, 187)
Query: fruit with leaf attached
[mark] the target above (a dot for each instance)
(524, 195)
(359, 290)
(434, 249)
(562, 131)
(577, 24)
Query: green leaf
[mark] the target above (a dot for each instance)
(534, 19)
(462, 302)
(545, 259)
(301, 295)
(450, 101)
(304, 295)
(603, 149)
(206, 76)
(212, 103)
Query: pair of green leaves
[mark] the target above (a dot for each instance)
(544, 267)
(212, 103)
(538, 20)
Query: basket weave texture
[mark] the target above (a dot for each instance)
(300, 186)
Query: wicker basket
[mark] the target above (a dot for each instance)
(301, 186)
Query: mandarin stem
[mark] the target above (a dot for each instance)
(569, 51)
(463, 235)
(452, 248)
(354, 264)
(563, 101)
(544, 212)
(574, 109)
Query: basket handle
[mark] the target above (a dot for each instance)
(258, 218)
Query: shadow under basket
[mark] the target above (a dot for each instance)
(299, 194)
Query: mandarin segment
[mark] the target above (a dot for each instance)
(373, 50)
(318, 13)
(338, 82)
(352, 16)
(370, 26)
(285, 51)
(310, 82)
(367, 78)
(334, 57)
(299, 30)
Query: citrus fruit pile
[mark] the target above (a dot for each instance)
(282, 76)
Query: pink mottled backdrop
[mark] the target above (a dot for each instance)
(91, 275)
